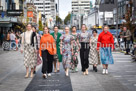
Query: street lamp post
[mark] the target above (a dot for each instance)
(44, 11)
(117, 18)
(58, 13)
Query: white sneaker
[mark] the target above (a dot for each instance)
(104, 71)
(49, 74)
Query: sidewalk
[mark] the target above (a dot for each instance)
(122, 76)
(12, 72)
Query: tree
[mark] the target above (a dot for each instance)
(40, 25)
(67, 19)
(58, 20)
(128, 17)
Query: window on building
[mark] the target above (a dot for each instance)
(107, 1)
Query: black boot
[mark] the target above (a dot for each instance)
(95, 69)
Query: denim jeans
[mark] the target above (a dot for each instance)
(13, 44)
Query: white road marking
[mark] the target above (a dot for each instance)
(132, 80)
(123, 61)
(130, 71)
(117, 76)
(128, 65)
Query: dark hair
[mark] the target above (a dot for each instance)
(45, 27)
(94, 31)
(29, 24)
(55, 26)
(34, 27)
(73, 27)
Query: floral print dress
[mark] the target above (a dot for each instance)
(84, 37)
(76, 48)
(66, 50)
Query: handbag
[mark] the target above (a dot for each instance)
(55, 56)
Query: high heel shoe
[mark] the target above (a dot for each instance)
(27, 75)
(55, 71)
(86, 72)
(95, 69)
(58, 70)
(31, 75)
(34, 72)
(66, 72)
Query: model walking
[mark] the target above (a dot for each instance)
(58, 57)
(76, 48)
(66, 50)
(47, 50)
(93, 54)
(84, 39)
(105, 45)
(29, 50)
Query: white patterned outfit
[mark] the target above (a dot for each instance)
(30, 56)
(93, 54)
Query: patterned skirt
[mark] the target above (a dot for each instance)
(94, 56)
(106, 55)
(30, 57)
(66, 57)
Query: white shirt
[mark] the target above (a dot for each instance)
(26, 38)
(12, 36)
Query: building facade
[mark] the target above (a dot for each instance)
(79, 9)
(10, 11)
(80, 6)
(122, 10)
(50, 11)
(32, 13)
(101, 14)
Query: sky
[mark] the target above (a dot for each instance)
(65, 7)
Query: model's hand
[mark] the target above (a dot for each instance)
(61, 52)
(21, 51)
(40, 57)
(98, 50)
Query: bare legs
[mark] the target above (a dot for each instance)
(27, 72)
(56, 69)
(58, 66)
(105, 66)
(66, 71)
(55, 66)
(32, 70)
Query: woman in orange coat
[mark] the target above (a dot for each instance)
(47, 50)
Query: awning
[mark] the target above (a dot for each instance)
(5, 24)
